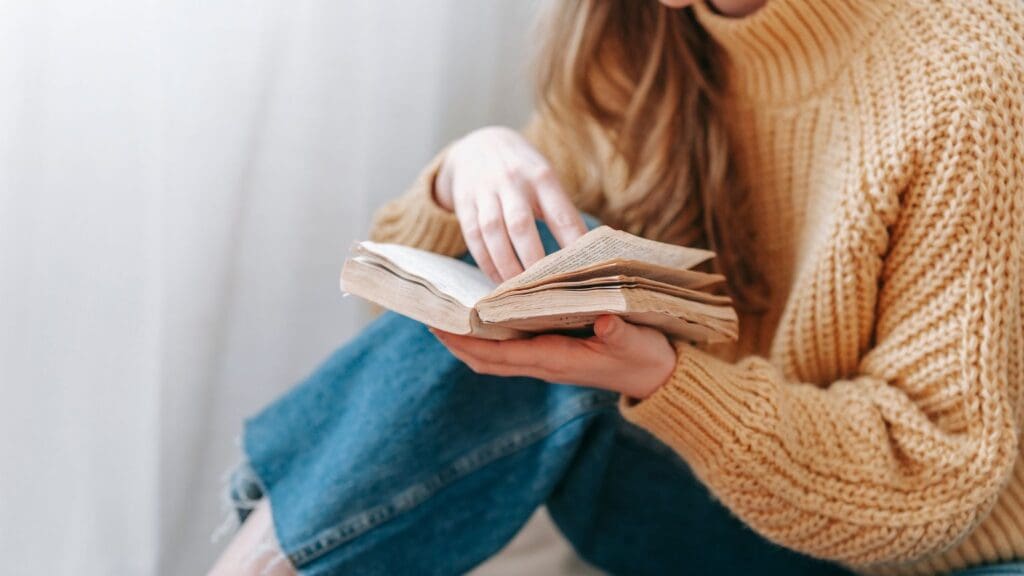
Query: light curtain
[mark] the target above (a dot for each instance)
(179, 184)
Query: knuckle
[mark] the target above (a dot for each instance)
(471, 231)
(534, 362)
(520, 224)
(546, 175)
(556, 365)
(491, 225)
(564, 219)
(503, 356)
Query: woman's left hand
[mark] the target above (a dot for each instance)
(629, 359)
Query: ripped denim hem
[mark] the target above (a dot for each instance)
(245, 487)
(242, 492)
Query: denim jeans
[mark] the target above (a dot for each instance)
(394, 458)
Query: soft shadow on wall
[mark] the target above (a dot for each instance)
(179, 184)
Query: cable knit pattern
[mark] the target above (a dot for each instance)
(872, 415)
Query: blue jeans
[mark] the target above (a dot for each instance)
(394, 458)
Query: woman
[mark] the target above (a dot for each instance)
(859, 167)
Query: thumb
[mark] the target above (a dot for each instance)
(611, 330)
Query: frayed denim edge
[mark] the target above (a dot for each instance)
(243, 490)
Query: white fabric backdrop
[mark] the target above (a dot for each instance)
(179, 183)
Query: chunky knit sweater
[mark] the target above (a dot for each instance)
(872, 415)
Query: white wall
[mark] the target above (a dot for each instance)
(179, 183)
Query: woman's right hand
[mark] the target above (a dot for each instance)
(497, 185)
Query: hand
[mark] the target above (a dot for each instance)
(498, 185)
(632, 360)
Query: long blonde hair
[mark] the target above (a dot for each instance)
(647, 78)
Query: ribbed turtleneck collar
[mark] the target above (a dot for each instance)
(790, 48)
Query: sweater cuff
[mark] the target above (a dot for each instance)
(415, 219)
(704, 408)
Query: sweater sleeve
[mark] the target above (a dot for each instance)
(909, 454)
(415, 219)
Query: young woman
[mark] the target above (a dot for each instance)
(859, 167)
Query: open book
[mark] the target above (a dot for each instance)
(604, 272)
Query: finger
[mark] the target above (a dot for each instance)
(467, 215)
(610, 329)
(520, 223)
(495, 234)
(476, 362)
(508, 352)
(550, 355)
(556, 209)
(552, 358)
(613, 336)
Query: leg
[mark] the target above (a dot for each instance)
(438, 483)
(309, 449)
(394, 458)
(629, 505)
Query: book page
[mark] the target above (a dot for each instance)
(620, 281)
(603, 244)
(455, 278)
(572, 309)
(413, 298)
(379, 281)
(690, 279)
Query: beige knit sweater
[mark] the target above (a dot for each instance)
(873, 415)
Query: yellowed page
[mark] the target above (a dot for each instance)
(566, 310)
(687, 294)
(683, 279)
(603, 244)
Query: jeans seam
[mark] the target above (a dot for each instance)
(354, 526)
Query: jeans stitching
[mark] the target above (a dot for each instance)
(347, 530)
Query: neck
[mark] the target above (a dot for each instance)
(737, 8)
